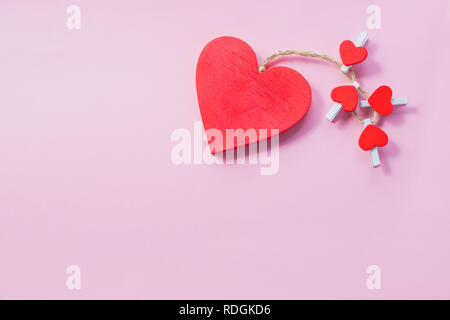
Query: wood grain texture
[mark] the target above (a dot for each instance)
(232, 94)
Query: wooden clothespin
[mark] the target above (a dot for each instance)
(344, 97)
(382, 102)
(394, 101)
(370, 139)
(353, 53)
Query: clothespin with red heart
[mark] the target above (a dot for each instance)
(382, 102)
(353, 53)
(371, 138)
(344, 97)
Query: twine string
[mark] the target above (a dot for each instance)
(351, 76)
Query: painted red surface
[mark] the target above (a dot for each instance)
(372, 136)
(380, 100)
(233, 94)
(350, 54)
(347, 96)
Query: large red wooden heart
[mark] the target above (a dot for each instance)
(347, 96)
(350, 54)
(380, 100)
(233, 94)
(372, 136)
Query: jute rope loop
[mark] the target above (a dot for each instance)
(351, 76)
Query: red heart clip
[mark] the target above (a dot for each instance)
(350, 54)
(347, 96)
(372, 136)
(380, 100)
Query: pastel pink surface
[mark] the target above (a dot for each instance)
(86, 176)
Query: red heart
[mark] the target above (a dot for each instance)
(372, 136)
(380, 100)
(351, 54)
(347, 96)
(233, 94)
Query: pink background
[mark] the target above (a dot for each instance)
(86, 176)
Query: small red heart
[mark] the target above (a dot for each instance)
(372, 136)
(347, 96)
(350, 54)
(380, 100)
(233, 94)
